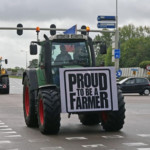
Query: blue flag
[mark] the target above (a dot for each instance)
(72, 30)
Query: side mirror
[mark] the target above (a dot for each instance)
(6, 61)
(103, 49)
(33, 49)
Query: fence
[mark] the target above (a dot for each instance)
(128, 72)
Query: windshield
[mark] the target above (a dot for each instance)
(73, 53)
(123, 80)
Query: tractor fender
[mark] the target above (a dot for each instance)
(48, 86)
(32, 76)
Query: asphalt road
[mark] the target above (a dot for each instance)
(14, 135)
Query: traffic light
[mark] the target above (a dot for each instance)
(83, 32)
(52, 32)
(19, 31)
(103, 49)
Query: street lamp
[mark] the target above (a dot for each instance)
(26, 56)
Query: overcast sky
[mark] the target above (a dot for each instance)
(62, 13)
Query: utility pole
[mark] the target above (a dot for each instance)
(116, 37)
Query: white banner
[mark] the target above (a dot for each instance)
(88, 89)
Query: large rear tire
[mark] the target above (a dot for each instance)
(89, 119)
(114, 120)
(5, 81)
(49, 111)
(30, 115)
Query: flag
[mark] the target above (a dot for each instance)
(69, 48)
(72, 30)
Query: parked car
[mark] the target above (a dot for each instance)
(135, 85)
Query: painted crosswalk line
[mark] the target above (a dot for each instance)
(4, 142)
(93, 146)
(52, 148)
(76, 138)
(135, 144)
(113, 137)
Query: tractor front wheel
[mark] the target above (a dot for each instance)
(49, 111)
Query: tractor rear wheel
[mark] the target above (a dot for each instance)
(5, 81)
(49, 111)
(114, 120)
(89, 119)
(30, 115)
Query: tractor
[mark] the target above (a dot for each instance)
(4, 78)
(66, 80)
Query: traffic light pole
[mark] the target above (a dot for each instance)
(116, 37)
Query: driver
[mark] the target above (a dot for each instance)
(63, 56)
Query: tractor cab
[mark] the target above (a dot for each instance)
(63, 51)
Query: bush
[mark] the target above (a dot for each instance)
(143, 64)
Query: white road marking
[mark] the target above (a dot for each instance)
(4, 142)
(144, 135)
(143, 148)
(3, 126)
(8, 129)
(76, 138)
(52, 148)
(13, 136)
(93, 146)
(10, 132)
(38, 140)
(1, 123)
(113, 137)
(12, 149)
(135, 144)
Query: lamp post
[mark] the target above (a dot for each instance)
(26, 56)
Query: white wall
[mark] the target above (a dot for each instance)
(127, 72)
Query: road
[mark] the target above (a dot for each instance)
(14, 135)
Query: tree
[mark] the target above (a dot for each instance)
(143, 64)
(108, 58)
(106, 37)
(134, 51)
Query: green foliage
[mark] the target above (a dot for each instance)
(135, 46)
(143, 64)
(134, 51)
(108, 58)
(102, 37)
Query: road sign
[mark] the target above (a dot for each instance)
(106, 18)
(134, 72)
(133, 69)
(117, 53)
(119, 73)
(106, 25)
(148, 73)
(148, 67)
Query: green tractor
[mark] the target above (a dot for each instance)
(66, 80)
(4, 78)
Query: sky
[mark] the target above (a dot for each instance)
(62, 13)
